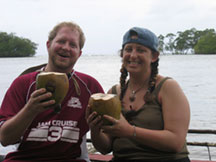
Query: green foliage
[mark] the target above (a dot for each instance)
(169, 46)
(185, 41)
(206, 44)
(161, 43)
(188, 41)
(13, 46)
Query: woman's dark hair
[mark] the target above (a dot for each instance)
(152, 81)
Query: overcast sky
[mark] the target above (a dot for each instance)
(104, 21)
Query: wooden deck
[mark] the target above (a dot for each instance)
(105, 158)
(99, 157)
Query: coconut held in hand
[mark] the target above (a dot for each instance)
(106, 104)
(56, 83)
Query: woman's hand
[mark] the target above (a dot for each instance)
(119, 128)
(93, 119)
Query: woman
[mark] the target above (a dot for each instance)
(155, 112)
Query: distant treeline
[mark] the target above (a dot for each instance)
(13, 46)
(189, 42)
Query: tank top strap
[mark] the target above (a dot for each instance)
(157, 89)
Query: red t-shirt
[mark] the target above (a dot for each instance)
(51, 137)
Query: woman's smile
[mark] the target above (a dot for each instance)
(134, 62)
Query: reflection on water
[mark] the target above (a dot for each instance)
(194, 73)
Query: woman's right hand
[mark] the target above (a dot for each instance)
(101, 141)
(93, 119)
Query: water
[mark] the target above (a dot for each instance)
(194, 73)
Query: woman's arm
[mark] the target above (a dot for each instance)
(176, 115)
(101, 141)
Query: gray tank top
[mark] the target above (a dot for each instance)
(149, 116)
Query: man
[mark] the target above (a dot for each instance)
(41, 134)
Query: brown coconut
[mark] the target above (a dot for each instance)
(56, 83)
(106, 104)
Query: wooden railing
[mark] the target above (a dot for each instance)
(190, 131)
(206, 144)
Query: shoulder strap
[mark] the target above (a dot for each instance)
(157, 89)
